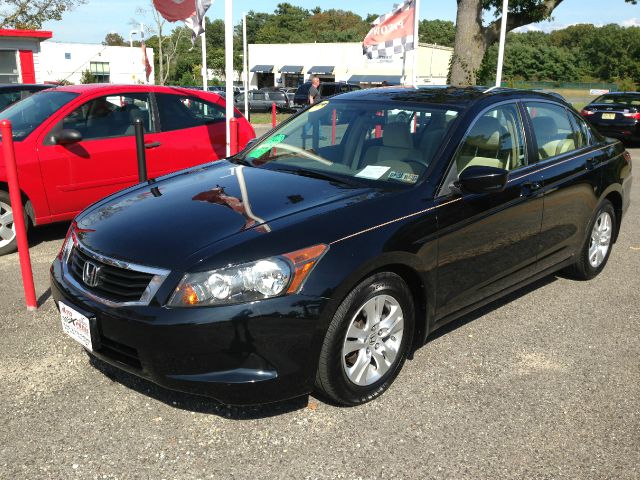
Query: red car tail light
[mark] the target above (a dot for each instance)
(632, 115)
(586, 113)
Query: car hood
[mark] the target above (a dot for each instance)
(164, 222)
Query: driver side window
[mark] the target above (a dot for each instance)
(495, 140)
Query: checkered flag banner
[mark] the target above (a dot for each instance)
(392, 33)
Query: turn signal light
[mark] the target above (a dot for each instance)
(303, 262)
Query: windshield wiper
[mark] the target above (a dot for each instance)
(319, 175)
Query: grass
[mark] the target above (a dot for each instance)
(265, 118)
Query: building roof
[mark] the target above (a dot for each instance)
(38, 34)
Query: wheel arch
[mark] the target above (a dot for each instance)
(26, 201)
(411, 269)
(615, 197)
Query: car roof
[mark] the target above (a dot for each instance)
(24, 86)
(460, 97)
(110, 87)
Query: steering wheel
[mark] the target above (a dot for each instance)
(422, 163)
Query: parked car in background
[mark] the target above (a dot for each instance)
(327, 89)
(616, 115)
(14, 92)
(322, 255)
(75, 145)
(262, 101)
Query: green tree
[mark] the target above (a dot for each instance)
(114, 40)
(441, 32)
(473, 38)
(31, 14)
(88, 77)
(288, 24)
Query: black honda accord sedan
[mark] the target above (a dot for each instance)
(320, 256)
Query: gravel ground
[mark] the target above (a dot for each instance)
(542, 385)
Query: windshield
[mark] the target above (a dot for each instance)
(357, 141)
(26, 115)
(631, 100)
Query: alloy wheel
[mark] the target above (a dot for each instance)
(7, 228)
(373, 340)
(600, 239)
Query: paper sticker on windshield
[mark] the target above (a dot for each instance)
(318, 106)
(403, 177)
(267, 145)
(373, 172)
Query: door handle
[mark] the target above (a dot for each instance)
(529, 188)
(151, 145)
(592, 163)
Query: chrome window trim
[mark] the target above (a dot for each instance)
(159, 276)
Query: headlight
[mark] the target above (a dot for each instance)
(266, 278)
(67, 246)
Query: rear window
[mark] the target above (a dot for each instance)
(630, 100)
(277, 96)
(303, 89)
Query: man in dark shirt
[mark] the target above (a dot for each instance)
(314, 91)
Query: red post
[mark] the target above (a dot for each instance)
(233, 131)
(18, 214)
(273, 115)
(334, 118)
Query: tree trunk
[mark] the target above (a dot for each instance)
(470, 44)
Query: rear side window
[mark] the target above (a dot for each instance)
(110, 116)
(178, 112)
(495, 140)
(328, 89)
(552, 129)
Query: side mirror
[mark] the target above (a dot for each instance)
(480, 179)
(67, 137)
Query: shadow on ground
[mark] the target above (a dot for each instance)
(195, 403)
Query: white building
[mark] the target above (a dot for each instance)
(288, 65)
(27, 56)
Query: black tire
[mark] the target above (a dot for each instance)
(582, 269)
(13, 245)
(331, 378)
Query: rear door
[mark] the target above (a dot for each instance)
(487, 242)
(571, 161)
(192, 132)
(104, 161)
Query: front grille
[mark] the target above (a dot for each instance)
(113, 283)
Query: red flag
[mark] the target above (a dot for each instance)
(392, 33)
(191, 12)
(145, 61)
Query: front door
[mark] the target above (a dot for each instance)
(487, 241)
(104, 161)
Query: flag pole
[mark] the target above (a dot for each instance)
(203, 39)
(228, 55)
(416, 44)
(245, 61)
(503, 36)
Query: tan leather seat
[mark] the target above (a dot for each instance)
(397, 146)
(549, 145)
(482, 147)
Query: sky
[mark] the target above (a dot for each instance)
(90, 23)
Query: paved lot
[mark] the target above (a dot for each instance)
(544, 385)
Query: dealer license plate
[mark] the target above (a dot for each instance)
(76, 325)
(608, 116)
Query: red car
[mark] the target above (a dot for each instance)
(75, 145)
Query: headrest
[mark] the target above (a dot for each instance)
(138, 113)
(485, 134)
(546, 128)
(397, 135)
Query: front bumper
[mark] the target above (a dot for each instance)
(239, 354)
